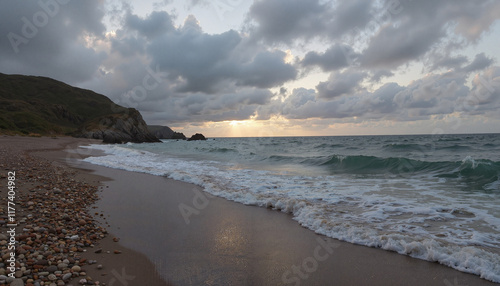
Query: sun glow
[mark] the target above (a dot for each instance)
(234, 123)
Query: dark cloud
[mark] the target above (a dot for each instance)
(408, 42)
(50, 39)
(422, 26)
(335, 58)
(203, 61)
(480, 62)
(266, 70)
(343, 83)
(286, 20)
(158, 23)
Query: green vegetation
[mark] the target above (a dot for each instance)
(32, 105)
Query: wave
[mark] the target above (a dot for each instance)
(406, 147)
(379, 220)
(220, 150)
(325, 145)
(474, 172)
(478, 172)
(455, 148)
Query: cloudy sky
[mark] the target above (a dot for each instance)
(273, 67)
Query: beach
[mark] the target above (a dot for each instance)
(40, 164)
(174, 231)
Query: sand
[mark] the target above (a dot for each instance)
(126, 268)
(191, 238)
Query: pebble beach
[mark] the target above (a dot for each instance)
(58, 240)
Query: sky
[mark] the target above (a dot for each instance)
(243, 68)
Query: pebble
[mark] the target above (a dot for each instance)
(76, 268)
(54, 223)
(66, 276)
(52, 268)
(62, 266)
(17, 282)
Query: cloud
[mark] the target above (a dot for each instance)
(51, 39)
(480, 62)
(437, 94)
(341, 83)
(368, 49)
(158, 23)
(267, 69)
(204, 62)
(334, 58)
(424, 26)
(286, 20)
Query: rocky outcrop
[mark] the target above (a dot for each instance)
(197, 136)
(165, 132)
(118, 128)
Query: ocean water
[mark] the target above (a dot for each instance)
(433, 197)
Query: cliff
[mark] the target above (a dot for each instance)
(31, 105)
(118, 128)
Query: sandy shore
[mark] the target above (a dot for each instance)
(38, 163)
(193, 239)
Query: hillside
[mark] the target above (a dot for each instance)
(44, 106)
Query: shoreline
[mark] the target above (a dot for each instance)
(194, 239)
(104, 268)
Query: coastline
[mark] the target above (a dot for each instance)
(116, 268)
(195, 239)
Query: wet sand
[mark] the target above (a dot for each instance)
(194, 239)
(126, 268)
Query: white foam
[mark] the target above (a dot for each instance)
(428, 222)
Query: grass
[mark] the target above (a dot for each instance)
(44, 106)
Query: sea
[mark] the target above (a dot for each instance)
(432, 197)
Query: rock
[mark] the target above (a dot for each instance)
(99, 266)
(164, 132)
(52, 277)
(66, 276)
(98, 250)
(118, 128)
(62, 266)
(17, 282)
(117, 252)
(83, 281)
(42, 262)
(76, 268)
(197, 136)
(52, 268)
